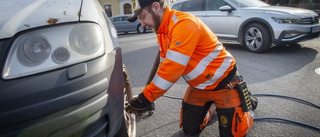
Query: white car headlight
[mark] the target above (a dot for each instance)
(286, 20)
(53, 47)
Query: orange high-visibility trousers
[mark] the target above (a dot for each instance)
(232, 121)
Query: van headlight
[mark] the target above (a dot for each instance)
(33, 49)
(283, 20)
(83, 35)
(53, 47)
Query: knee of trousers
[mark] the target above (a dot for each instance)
(192, 117)
(233, 122)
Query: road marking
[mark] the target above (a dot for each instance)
(317, 71)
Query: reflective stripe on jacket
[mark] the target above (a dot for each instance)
(189, 49)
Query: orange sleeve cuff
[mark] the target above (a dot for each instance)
(152, 92)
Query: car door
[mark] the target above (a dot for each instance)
(222, 23)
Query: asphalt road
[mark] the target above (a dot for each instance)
(288, 71)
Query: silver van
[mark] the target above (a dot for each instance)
(61, 71)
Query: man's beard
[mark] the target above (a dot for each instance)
(157, 21)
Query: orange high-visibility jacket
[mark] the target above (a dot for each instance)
(189, 49)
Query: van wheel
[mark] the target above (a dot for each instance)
(128, 127)
(256, 38)
(141, 29)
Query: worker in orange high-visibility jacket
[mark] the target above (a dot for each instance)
(191, 50)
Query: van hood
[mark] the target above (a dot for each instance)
(19, 15)
(298, 12)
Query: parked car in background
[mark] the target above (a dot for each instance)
(253, 23)
(122, 25)
(61, 71)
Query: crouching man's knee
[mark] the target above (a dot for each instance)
(193, 118)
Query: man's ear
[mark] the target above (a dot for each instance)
(156, 7)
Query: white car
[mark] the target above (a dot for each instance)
(253, 23)
(61, 71)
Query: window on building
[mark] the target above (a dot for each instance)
(127, 8)
(108, 9)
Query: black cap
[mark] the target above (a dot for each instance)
(138, 5)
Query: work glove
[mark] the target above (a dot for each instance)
(139, 105)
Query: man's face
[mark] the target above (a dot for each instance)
(150, 19)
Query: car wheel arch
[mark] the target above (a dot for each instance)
(244, 25)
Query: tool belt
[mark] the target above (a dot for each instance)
(231, 77)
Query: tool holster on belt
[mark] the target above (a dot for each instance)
(247, 100)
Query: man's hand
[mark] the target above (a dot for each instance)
(140, 104)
